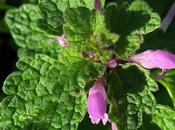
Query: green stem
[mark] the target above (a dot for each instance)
(170, 91)
(4, 6)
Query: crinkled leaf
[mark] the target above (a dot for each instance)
(62, 5)
(122, 20)
(128, 45)
(164, 117)
(85, 30)
(52, 12)
(147, 123)
(47, 92)
(135, 97)
(154, 19)
(52, 21)
(22, 52)
(22, 24)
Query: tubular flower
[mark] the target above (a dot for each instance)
(112, 63)
(61, 40)
(97, 103)
(113, 125)
(168, 18)
(151, 59)
(98, 5)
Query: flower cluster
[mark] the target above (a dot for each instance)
(150, 59)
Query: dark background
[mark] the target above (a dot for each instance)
(8, 56)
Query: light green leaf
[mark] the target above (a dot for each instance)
(154, 19)
(164, 117)
(47, 93)
(52, 12)
(22, 24)
(85, 31)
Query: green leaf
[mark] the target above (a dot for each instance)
(85, 30)
(122, 20)
(128, 45)
(52, 12)
(168, 82)
(154, 19)
(25, 32)
(52, 21)
(148, 124)
(22, 52)
(164, 117)
(62, 5)
(130, 97)
(47, 92)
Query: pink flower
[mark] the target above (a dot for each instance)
(97, 103)
(114, 127)
(151, 59)
(112, 63)
(168, 18)
(98, 5)
(61, 40)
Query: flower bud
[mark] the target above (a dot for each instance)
(61, 40)
(97, 103)
(112, 63)
(98, 5)
(114, 127)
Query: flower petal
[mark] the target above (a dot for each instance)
(61, 40)
(112, 63)
(114, 127)
(97, 103)
(105, 119)
(155, 59)
(98, 5)
(168, 18)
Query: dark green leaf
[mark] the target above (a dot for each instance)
(122, 20)
(130, 96)
(52, 12)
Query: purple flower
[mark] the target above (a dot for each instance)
(168, 18)
(151, 59)
(97, 103)
(98, 5)
(112, 63)
(61, 40)
(114, 127)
